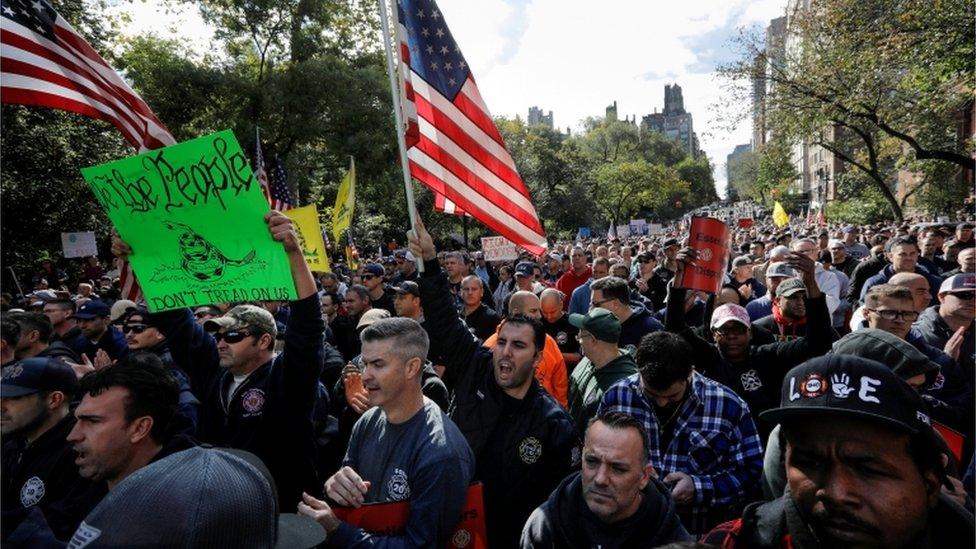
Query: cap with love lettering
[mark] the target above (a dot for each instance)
(851, 386)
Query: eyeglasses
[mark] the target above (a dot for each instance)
(600, 303)
(891, 314)
(368, 276)
(135, 328)
(201, 314)
(734, 330)
(231, 337)
(965, 296)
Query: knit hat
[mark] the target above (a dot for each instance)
(200, 497)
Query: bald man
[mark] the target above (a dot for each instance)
(551, 370)
(481, 319)
(918, 284)
(555, 322)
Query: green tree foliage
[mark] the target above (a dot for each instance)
(879, 83)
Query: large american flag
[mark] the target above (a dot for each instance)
(454, 146)
(45, 63)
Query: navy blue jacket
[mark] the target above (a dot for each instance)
(112, 342)
(270, 413)
(523, 447)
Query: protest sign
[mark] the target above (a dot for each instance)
(709, 237)
(306, 220)
(584, 232)
(623, 231)
(655, 229)
(745, 222)
(194, 216)
(638, 227)
(79, 244)
(390, 519)
(498, 248)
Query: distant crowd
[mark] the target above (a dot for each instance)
(824, 397)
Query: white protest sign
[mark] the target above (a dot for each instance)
(498, 248)
(655, 228)
(79, 244)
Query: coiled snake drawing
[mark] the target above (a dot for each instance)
(202, 260)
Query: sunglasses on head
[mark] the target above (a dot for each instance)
(135, 328)
(235, 336)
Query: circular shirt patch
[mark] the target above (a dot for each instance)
(11, 372)
(813, 385)
(253, 401)
(461, 538)
(398, 486)
(32, 492)
(562, 338)
(530, 450)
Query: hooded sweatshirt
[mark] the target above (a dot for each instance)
(588, 383)
(565, 520)
(640, 323)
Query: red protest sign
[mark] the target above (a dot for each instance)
(954, 439)
(745, 222)
(709, 237)
(390, 519)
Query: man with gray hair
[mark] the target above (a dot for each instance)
(405, 448)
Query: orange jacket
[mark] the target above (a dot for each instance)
(551, 371)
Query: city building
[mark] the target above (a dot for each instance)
(730, 192)
(674, 122)
(774, 56)
(538, 118)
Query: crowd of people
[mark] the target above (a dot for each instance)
(822, 398)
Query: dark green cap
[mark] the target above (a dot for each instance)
(599, 322)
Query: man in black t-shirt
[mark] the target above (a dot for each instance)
(555, 322)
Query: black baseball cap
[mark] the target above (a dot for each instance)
(408, 287)
(33, 375)
(93, 309)
(852, 386)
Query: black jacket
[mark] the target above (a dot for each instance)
(270, 413)
(864, 270)
(523, 447)
(768, 525)
(41, 474)
(565, 521)
(59, 350)
(759, 378)
(483, 322)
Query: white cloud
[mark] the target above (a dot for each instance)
(574, 57)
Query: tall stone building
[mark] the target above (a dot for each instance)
(538, 118)
(674, 122)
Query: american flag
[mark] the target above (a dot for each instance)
(454, 147)
(45, 63)
(280, 195)
(259, 171)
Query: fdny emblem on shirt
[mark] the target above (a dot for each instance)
(398, 486)
(461, 538)
(31, 492)
(530, 450)
(253, 401)
(750, 380)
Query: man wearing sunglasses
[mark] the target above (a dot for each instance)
(252, 399)
(891, 308)
(141, 334)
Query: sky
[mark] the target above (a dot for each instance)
(570, 58)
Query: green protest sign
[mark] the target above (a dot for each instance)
(194, 216)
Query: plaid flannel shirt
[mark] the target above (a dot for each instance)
(715, 442)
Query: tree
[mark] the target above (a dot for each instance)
(876, 71)
(622, 188)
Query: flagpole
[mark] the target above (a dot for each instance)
(398, 119)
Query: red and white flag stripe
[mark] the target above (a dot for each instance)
(456, 150)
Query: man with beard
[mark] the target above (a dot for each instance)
(615, 501)
(35, 334)
(703, 440)
(523, 441)
(862, 466)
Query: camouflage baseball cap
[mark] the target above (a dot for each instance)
(244, 316)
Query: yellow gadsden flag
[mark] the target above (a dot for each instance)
(780, 217)
(345, 200)
(309, 231)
